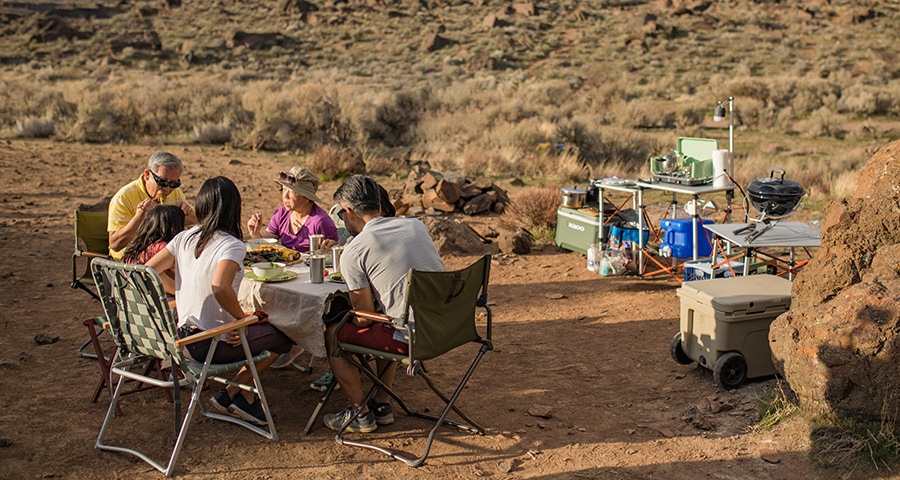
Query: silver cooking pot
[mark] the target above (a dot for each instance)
(573, 197)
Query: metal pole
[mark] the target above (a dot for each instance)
(731, 135)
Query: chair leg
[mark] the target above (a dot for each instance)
(318, 409)
(101, 359)
(450, 404)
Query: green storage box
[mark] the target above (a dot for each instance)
(576, 228)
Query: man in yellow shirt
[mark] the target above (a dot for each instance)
(158, 185)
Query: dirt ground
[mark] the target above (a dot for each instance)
(593, 349)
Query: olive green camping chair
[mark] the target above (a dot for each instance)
(142, 325)
(91, 241)
(440, 316)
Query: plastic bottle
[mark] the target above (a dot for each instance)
(592, 257)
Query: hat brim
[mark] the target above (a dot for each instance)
(301, 191)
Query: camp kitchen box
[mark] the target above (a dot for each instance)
(725, 315)
(577, 227)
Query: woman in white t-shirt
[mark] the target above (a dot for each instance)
(208, 261)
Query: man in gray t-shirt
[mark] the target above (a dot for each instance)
(374, 265)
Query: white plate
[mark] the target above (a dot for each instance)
(258, 242)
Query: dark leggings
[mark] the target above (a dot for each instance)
(260, 337)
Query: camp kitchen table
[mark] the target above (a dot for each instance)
(695, 191)
(790, 235)
(294, 306)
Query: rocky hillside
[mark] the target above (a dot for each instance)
(682, 41)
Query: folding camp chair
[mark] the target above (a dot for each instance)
(439, 317)
(141, 323)
(91, 241)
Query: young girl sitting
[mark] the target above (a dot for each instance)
(158, 227)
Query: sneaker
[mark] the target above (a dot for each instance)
(286, 359)
(221, 401)
(362, 424)
(251, 412)
(322, 383)
(384, 415)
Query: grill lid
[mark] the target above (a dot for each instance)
(775, 196)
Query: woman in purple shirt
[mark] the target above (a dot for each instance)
(298, 217)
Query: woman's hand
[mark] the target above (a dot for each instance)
(233, 338)
(326, 244)
(254, 224)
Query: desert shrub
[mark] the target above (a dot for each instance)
(866, 100)
(810, 95)
(394, 121)
(105, 114)
(211, 134)
(331, 162)
(32, 127)
(32, 100)
(164, 105)
(293, 116)
(823, 123)
(382, 164)
(534, 209)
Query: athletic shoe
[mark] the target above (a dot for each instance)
(322, 383)
(286, 359)
(362, 424)
(384, 415)
(221, 401)
(251, 412)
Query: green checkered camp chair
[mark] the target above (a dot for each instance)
(440, 316)
(143, 328)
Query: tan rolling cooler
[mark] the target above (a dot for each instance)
(725, 325)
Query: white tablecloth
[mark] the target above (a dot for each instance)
(294, 306)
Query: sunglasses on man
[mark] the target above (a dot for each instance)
(165, 183)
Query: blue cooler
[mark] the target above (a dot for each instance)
(678, 235)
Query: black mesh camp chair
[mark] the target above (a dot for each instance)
(440, 316)
(142, 325)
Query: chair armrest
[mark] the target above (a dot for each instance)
(85, 253)
(215, 332)
(375, 317)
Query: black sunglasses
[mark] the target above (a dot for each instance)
(341, 213)
(165, 183)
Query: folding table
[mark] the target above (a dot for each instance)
(695, 191)
(790, 235)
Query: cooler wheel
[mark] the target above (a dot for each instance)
(677, 351)
(730, 371)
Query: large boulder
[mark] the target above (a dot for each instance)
(839, 345)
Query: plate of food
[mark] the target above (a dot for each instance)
(282, 277)
(335, 277)
(255, 243)
(273, 253)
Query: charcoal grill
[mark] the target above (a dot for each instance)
(775, 198)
